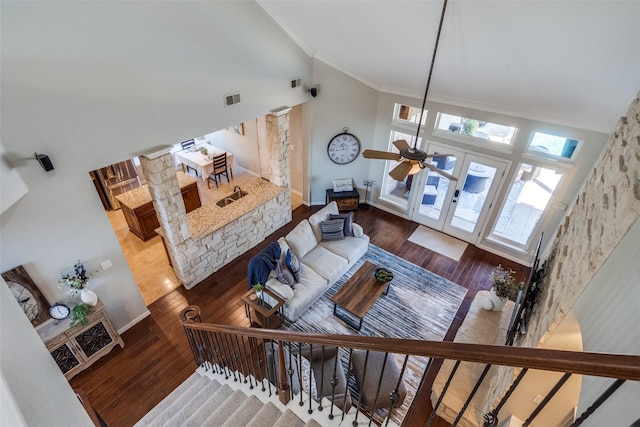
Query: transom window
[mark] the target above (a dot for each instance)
(493, 132)
(553, 146)
(408, 114)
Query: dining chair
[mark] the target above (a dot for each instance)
(220, 168)
(185, 146)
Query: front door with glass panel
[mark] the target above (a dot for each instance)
(458, 208)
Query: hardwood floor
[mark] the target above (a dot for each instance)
(127, 383)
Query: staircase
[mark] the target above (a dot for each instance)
(207, 398)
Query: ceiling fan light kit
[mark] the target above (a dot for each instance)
(412, 159)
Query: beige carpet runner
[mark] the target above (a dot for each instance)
(438, 242)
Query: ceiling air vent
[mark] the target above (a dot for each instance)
(231, 99)
(295, 83)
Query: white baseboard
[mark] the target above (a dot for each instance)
(134, 322)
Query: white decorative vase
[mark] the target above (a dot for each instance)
(259, 294)
(493, 302)
(88, 297)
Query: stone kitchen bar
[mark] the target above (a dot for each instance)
(204, 240)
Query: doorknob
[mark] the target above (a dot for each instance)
(455, 196)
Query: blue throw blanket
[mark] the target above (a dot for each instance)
(260, 266)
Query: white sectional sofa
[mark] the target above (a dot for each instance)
(322, 262)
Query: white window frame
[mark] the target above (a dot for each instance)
(474, 140)
(537, 154)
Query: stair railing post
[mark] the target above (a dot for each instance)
(283, 382)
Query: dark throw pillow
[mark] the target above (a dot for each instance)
(293, 264)
(348, 222)
(283, 273)
(332, 229)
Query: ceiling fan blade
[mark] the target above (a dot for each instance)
(400, 172)
(434, 155)
(401, 144)
(440, 171)
(383, 155)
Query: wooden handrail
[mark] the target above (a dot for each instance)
(586, 363)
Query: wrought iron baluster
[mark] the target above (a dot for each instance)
(320, 393)
(444, 390)
(546, 399)
(364, 379)
(599, 401)
(394, 394)
(491, 417)
(473, 393)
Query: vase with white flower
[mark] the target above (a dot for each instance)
(77, 282)
(505, 288)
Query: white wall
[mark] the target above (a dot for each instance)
(244, 147)
(40, 390)
(296, 149)
(609, 317)
(94, 83)
(341, 102)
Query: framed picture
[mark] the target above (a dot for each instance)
(239, 129)
(29, 297)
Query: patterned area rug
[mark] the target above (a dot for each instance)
(419, 305)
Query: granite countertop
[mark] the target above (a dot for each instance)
(207, 219)
(140, 196)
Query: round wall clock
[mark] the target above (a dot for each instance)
(343, 148)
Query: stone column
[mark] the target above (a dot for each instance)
(167, 200)
(275, 150)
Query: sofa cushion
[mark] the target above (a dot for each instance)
(301, 239)
(332, 229)
(311, 287)
(348, 222)
(322, 215)
(284, 291)
(325, 263)
(351, 248)
(283, 273)
(293, 264)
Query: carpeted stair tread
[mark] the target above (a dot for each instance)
(288, 419)
(244, 413)
(198, 399)
(266, 416)
(312, 423)
(199, 416)
(174, 401)
(226, 409)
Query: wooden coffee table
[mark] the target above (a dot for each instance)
(358, 294)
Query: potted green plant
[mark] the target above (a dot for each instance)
(79, 314)
(505, 287)
(258, 288)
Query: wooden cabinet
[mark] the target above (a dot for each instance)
(191, 197)
(346, 200)
(143, 221)
(75, 349)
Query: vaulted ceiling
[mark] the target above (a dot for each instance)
(569, 62)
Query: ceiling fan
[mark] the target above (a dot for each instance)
(412, 159)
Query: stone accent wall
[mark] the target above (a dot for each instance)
(275, 149)
(167, 201)
(604, 211)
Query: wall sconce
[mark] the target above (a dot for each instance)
(313, 91)
(45, 161)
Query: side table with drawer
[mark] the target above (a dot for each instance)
(346, 200)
